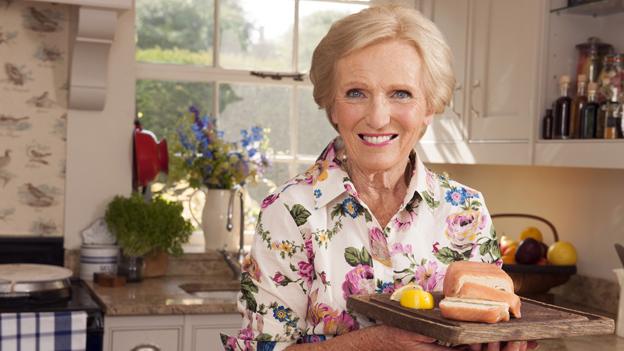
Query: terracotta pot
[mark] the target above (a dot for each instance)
(156, 264)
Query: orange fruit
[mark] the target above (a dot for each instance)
(531, 232)
(417, 299)
(561, 253)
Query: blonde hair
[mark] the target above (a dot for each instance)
(376, 24)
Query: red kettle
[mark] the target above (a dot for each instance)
(150, 156)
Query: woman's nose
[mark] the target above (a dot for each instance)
(378, 114)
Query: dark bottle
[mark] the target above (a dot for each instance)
(563, 106)
(577, 104)
(613, 116)
(547, 125)
(589, 114)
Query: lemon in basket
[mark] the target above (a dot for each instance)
(532, 232)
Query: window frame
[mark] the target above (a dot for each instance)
(217, 75)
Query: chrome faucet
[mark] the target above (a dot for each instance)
(235, 263)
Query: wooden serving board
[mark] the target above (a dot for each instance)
(539, 321)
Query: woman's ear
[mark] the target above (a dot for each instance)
(428, 118)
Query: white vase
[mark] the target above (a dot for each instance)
(221, 219)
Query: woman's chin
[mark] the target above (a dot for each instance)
(378, 163)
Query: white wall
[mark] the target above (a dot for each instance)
(585, 205)
(99, 144)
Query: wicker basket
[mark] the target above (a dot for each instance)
(530, 279)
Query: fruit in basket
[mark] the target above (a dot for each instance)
(509, 253)
(532, 232)
(529, 251)
(417, 299)
(506, 242)
(561, 253)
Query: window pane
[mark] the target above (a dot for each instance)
(159, 104)
(315, 131)
(256, 35)
(175, 31)
(275, 176)
(246, 105)
(315, 18)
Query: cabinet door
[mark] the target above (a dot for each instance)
(144, 333)
(451, 17)
(205, 331)
(503, 69)
(146, 340)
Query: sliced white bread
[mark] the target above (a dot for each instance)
(474, 310)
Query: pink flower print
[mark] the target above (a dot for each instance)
(280, 279)
(251, 266)
(246, 334)
(309, 249)
(230, 344)
(259, 323)
(379, 246)
(462, 228)
(398, 248)
(323, 278)
(428, 275)
(404, 220)
(269, 200)
(340, 324)
(359, 280)
(350, 189)
(306, 271)
(435, 247)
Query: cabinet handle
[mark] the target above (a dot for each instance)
(146, 347)
(476, 84)
(458, 87)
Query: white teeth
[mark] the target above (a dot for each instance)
(376, 139)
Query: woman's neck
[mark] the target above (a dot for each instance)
(381, 191)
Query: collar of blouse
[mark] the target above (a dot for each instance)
(330, 180)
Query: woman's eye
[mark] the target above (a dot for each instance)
(354, 93)
(401, 94)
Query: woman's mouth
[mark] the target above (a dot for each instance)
(377, 139)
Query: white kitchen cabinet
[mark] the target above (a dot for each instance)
(203, 332)
(496, 47)
(168, 333)
(451, 17)
(144, 333)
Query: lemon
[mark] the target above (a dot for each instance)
(561, 253)
(417, 299)
(396, 295)
(532, 232)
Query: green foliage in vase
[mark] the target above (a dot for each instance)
(142, 227)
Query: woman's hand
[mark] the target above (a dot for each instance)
(504, 346)
(383, 337)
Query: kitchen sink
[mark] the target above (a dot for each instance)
(215, 290)
(219, 294)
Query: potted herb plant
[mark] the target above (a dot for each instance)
(147, 230)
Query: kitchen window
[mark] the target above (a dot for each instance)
(202, 52)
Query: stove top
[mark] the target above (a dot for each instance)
(79, 299)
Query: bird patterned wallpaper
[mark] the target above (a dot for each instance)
(34, 41)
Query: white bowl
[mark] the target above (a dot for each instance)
(98, 259)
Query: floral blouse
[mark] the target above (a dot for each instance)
(317, 244)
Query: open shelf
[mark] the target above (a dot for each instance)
(593, 8)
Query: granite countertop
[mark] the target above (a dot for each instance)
(165, 296)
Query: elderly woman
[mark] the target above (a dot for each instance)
(368, 217)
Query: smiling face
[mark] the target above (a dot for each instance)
(380, 106)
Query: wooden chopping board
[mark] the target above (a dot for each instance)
(539, 321)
